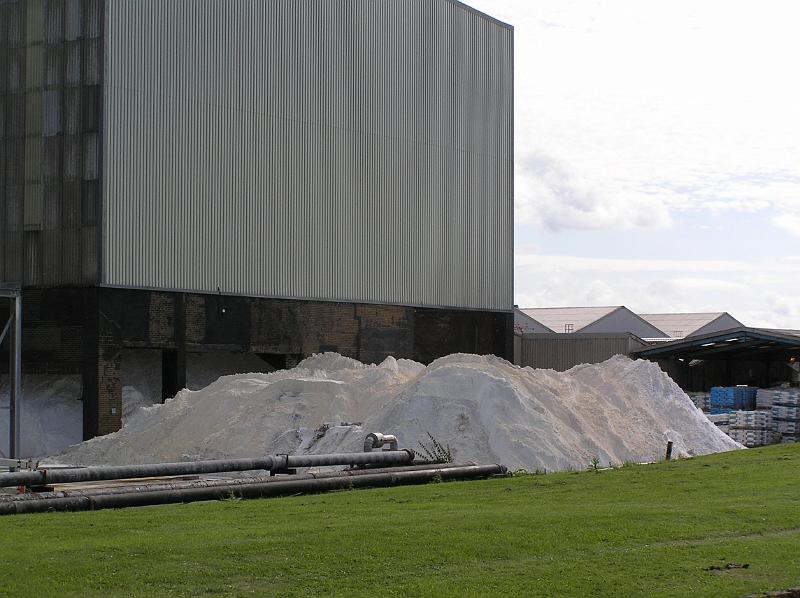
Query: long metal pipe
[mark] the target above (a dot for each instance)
(247, 491)
(43, 477)
(185, 484)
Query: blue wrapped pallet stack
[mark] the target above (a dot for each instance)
(735, 398)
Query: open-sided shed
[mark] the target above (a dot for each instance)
(755, 356)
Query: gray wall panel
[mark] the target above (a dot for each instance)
(350, 150)
(561, 352)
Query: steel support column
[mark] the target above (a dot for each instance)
(14, 331)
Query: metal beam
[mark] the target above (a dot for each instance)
(14, 326)
(6, 329)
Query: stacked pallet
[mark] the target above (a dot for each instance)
(721, 420)
(786, 414)
(765, 397)
(751, 428)
(701, 400)
(735, 398)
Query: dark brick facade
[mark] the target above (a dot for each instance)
(83, 331)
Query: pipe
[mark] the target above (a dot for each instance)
(377, 440)
(43, 477)
(384, 457)
(253, 490)
(158, 485)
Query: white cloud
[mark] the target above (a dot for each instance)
(649, 107)
(669, 115)
(789, 222)
(612, 266)
(550, 194)
(758, 293)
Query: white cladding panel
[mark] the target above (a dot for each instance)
(347, 150)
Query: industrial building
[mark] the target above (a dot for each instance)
(698, 350)
(676, 326)
(739, 356)
(593, 320)
(524, 324)
(274, 177)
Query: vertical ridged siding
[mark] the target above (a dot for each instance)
(348, 150)
(561, 352)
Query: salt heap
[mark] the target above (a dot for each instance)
(486, 409)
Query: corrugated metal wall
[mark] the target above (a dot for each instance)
(560, 352)
(12, 138)
(50, 115)
(345, 150)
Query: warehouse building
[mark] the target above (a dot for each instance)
(593, 320)
(273, 177)
(676, 326)
(563, 337)
(524, 324)
(748, 356)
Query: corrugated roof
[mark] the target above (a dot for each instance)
(557, 318)
(681, 325)
(530, 323)
(736, 343)
(783, 331)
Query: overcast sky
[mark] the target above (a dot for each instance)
(658, 155)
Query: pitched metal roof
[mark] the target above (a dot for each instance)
(526, 321)
(557, 318)
(683, 325)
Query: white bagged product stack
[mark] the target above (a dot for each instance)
(786, 414)
(765, 397)
(702, 400)
(751, 428)
(722, 421)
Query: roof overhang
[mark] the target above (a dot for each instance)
(737, 343)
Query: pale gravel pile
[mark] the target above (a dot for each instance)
(485, 408)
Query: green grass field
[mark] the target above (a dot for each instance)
(639, 530)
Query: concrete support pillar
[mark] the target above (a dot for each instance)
(173, 361)
(102, 390)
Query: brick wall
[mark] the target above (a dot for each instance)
(84, 330)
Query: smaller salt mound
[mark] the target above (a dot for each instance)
(485, 408)
(140, 374)
(330, 362)
(251, 414)
(52, 414)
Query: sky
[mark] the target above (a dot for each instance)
(658, 155)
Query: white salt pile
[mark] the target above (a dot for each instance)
(52, 411)
(486, 409)
(52, 414)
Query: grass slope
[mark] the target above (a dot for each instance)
(638, 530)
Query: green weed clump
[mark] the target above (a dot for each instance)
(435, 451)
